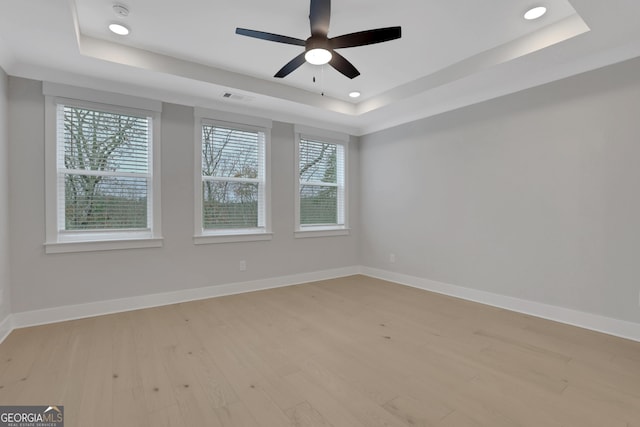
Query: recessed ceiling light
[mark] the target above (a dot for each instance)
(354, 94)
(119, 29)
(535, 13)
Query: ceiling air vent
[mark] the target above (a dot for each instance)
(233, 96)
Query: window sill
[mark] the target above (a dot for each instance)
(102, 245)
(321, 232)
(206, 239)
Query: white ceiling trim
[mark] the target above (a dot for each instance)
(493, 84)
(51, 47)
(140, 58)
(566, 29)
(126, 55)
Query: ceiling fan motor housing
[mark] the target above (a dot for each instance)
(317, 42)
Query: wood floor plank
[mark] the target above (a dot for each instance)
(304, 415)
(326, 404)
(414, 412)
(129, 408)
(347, 352)
(366, 410)
(97, 389)
(19, 355)
(169, 416)
(249, 384)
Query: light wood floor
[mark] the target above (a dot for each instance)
(348, 352)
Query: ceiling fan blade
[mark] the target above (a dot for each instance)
(269, 36)
(341, 64)
(362, 38)
(291, 66)
(319, 17)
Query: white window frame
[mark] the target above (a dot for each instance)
(329, 137)
(229, 120)
(59, 241)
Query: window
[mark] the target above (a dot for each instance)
(101, 163)
(232, 187)
(321, 192)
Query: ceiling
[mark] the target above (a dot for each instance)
(451, 54)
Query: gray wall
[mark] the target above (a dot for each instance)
(41, 281)
(5, 293)
(534, 195)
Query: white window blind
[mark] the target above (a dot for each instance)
(104, 170)
(321, 187)
(233, 178)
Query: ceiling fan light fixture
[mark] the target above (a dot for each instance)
(119, 29)
(535, 13)
(318, 56)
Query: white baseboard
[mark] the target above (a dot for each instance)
(616, 327)
(79, 311)
(607, 325)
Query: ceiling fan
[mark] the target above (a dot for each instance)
(319, 48)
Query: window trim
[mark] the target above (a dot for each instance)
(321, 135)
(80, 241)
(204, 116)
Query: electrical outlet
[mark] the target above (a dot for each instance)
(243, 265)
(392, 258)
